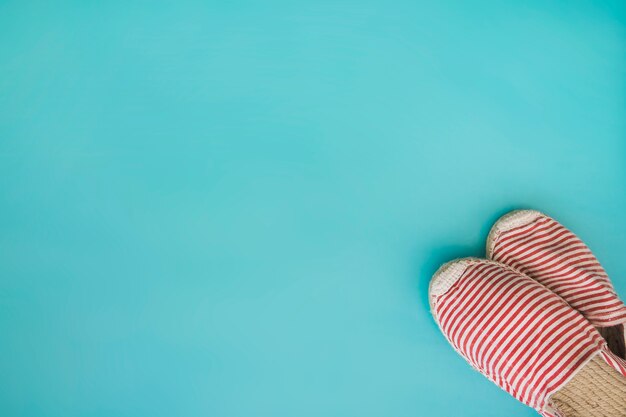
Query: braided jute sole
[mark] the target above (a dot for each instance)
(597, 390)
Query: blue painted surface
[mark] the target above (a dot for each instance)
(233, 209)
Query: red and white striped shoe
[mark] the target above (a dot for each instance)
(527, 340)
(546, 251)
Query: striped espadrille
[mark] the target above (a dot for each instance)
(521, 335)
(546, 251)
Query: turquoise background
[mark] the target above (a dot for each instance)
(234, 208)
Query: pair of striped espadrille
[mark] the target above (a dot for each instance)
(539, 318)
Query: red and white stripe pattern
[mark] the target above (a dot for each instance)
(513, 330)
(546, 251)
